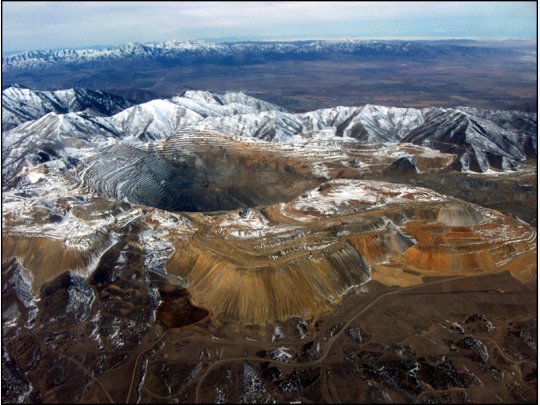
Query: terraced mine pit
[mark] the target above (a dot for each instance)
(206, 267)
(204, 172)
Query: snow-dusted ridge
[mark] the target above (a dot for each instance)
(231, 52)
(482, 139)
(20, 104)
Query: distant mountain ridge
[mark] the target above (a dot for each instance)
(188, 52)
(481, 139)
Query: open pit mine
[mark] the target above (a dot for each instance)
(214, 248)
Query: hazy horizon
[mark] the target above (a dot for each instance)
(59, 25)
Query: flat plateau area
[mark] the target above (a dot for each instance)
(496, 82)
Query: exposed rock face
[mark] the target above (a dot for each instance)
(404, 165)
(481, 140)
(67, 297)
(130, 174)
(17, 298)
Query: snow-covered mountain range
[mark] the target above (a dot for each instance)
(60, 123)
(20, 104)
(237, 52)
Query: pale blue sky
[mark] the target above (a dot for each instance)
(44, 25)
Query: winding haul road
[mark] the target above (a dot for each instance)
(330, 342)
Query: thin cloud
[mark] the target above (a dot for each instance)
(35, 25)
